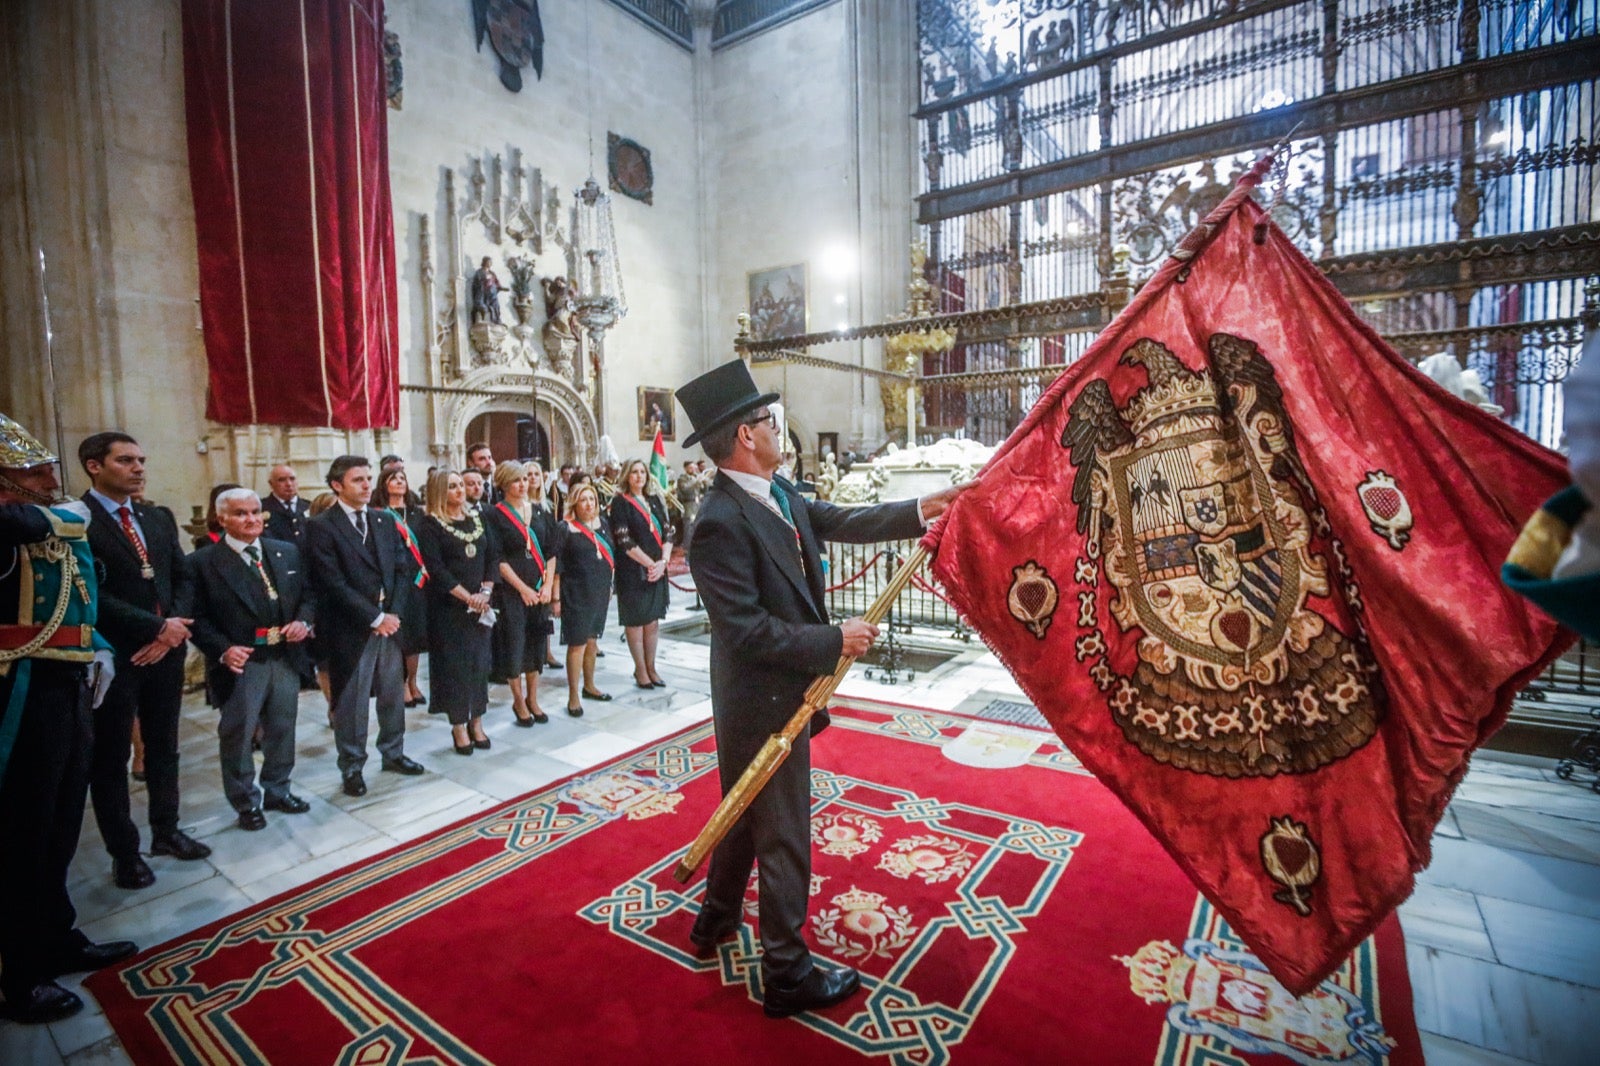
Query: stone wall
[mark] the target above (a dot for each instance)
(787, 147)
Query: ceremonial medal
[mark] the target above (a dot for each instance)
(147, 572)
(471, 551)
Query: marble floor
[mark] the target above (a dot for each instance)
(1503, 932)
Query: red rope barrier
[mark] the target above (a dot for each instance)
(916, 579)
(856, 576)
(682, 588)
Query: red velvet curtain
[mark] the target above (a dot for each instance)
(289, 164)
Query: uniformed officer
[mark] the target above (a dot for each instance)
(53, 666)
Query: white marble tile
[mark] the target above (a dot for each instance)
(156, 920)
(593, 750)
(27, 1044)
(288, 839)
(286, 878)
(88, 1026)
(1442, 1051)
(107, 1052)
(398, 810)
(1563, 946)
(1521, 876)
(1448, 919)
(1529, 830)
(1503, 1010)
(95, 896)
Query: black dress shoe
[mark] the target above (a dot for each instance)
(638, 685)
(288, 803)
(576, 712)
(482, 745)
(526, 723)
(658, 684)
(179, 845)
(132, 873)
(602, 697)
(819, 988)
(404, 764)
(706, 937)
(45, 1002)
(252, 820)
(354, 784)
(94, 956)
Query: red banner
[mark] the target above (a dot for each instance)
(289, 165)
(1245, 559)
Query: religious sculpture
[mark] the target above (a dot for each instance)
(827, 478)
(560, 331)
(486, 294)
(522, 279)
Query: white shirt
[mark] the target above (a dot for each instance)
(113, 506)
(761, 488)
(238, 545)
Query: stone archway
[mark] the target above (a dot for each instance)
(553, 402)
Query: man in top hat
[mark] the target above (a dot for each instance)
(50, 660)
(253, 612)
(145, 610)
(756, 553)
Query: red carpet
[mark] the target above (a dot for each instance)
(998, 915)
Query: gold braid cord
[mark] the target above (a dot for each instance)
(50, 550)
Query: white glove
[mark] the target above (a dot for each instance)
(100, 679)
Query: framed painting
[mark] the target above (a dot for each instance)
(655, 412)
(777, 298)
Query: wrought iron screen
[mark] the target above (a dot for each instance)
(1442, 172)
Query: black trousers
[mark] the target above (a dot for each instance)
(153, 694)
(41, 813)
(774, 834)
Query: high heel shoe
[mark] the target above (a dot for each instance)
(576, 712)
(524, 719)
(461, 749)
(644, 684)
(603, 697)
(656, 682)
(540, 717)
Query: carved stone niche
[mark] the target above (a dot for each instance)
(508, 215)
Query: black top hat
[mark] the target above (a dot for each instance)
(718, 396)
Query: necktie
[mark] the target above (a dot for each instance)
(361, 525)
(782, 501)
(125, 515)
(254, 553)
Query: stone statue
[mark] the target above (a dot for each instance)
(521, 287)
(560, 331)
(827, 478)
(486, 294)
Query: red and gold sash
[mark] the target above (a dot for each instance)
(421, 580)
(601, 548)
(655, 527)
(528, 538)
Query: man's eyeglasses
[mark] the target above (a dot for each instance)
(769, 418)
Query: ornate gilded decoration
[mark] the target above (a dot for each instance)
(1198, 512)
(19, 449)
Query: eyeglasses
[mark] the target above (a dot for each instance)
(769, 418)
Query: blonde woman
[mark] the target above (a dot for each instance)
(639, 519)
(463, 564)
(586, 564)
(526, 535)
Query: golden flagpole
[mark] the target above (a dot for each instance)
(778, 746)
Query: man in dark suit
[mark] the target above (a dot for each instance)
(146, 600)
(359, 565)
(756, 557)
(252, 614)
(285, 512)
(480, 457)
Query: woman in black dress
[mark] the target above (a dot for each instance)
(583, 584)
(394, 494)
(526, 536)
(463, 568)
(639, 518)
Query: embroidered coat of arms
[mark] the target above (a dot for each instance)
(1195, 508)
